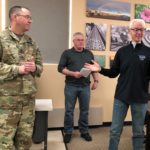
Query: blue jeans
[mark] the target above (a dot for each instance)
(138, 112)
(71, 95)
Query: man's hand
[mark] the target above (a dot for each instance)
(27, 67)
(95, 67)
(77, 74)
(94, 85)
(22, 70)
(30, 66)
(68, 72)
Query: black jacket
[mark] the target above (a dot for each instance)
(133, 67)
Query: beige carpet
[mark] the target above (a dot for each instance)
(100, 140)
(55, 142)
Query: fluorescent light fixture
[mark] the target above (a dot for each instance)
(70, 23)
(3, 12)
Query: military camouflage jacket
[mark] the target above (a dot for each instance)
(13, 51)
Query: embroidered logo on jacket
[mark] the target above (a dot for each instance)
(142, 57)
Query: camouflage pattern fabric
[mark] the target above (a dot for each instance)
(13, 52)
(16, 120)
(17, 91)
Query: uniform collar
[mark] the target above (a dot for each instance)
(23, 39)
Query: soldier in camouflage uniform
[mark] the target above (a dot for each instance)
(20, 63)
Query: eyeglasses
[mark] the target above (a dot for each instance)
(79, 40)
(25, 16)
(138, 30)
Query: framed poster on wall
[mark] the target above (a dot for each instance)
(108, 9)
(101, 59)
(119, 37)
(96, 36)
(142, 12)
(146, 38)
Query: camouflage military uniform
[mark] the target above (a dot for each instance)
(17, 92)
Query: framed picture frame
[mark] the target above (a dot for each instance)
(96, 36)
(142, 12)
(119, 37)
(146, 38)
(101, 59)
(108, 9)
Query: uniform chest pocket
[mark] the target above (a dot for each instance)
(10, 56)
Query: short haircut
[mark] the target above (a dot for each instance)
(136, 20)
(77, 33)
(15, 10)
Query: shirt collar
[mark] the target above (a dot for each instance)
(134, 43)
(23, 39)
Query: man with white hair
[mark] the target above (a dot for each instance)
(132, 64)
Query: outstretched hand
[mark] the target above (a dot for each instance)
(93, 67)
